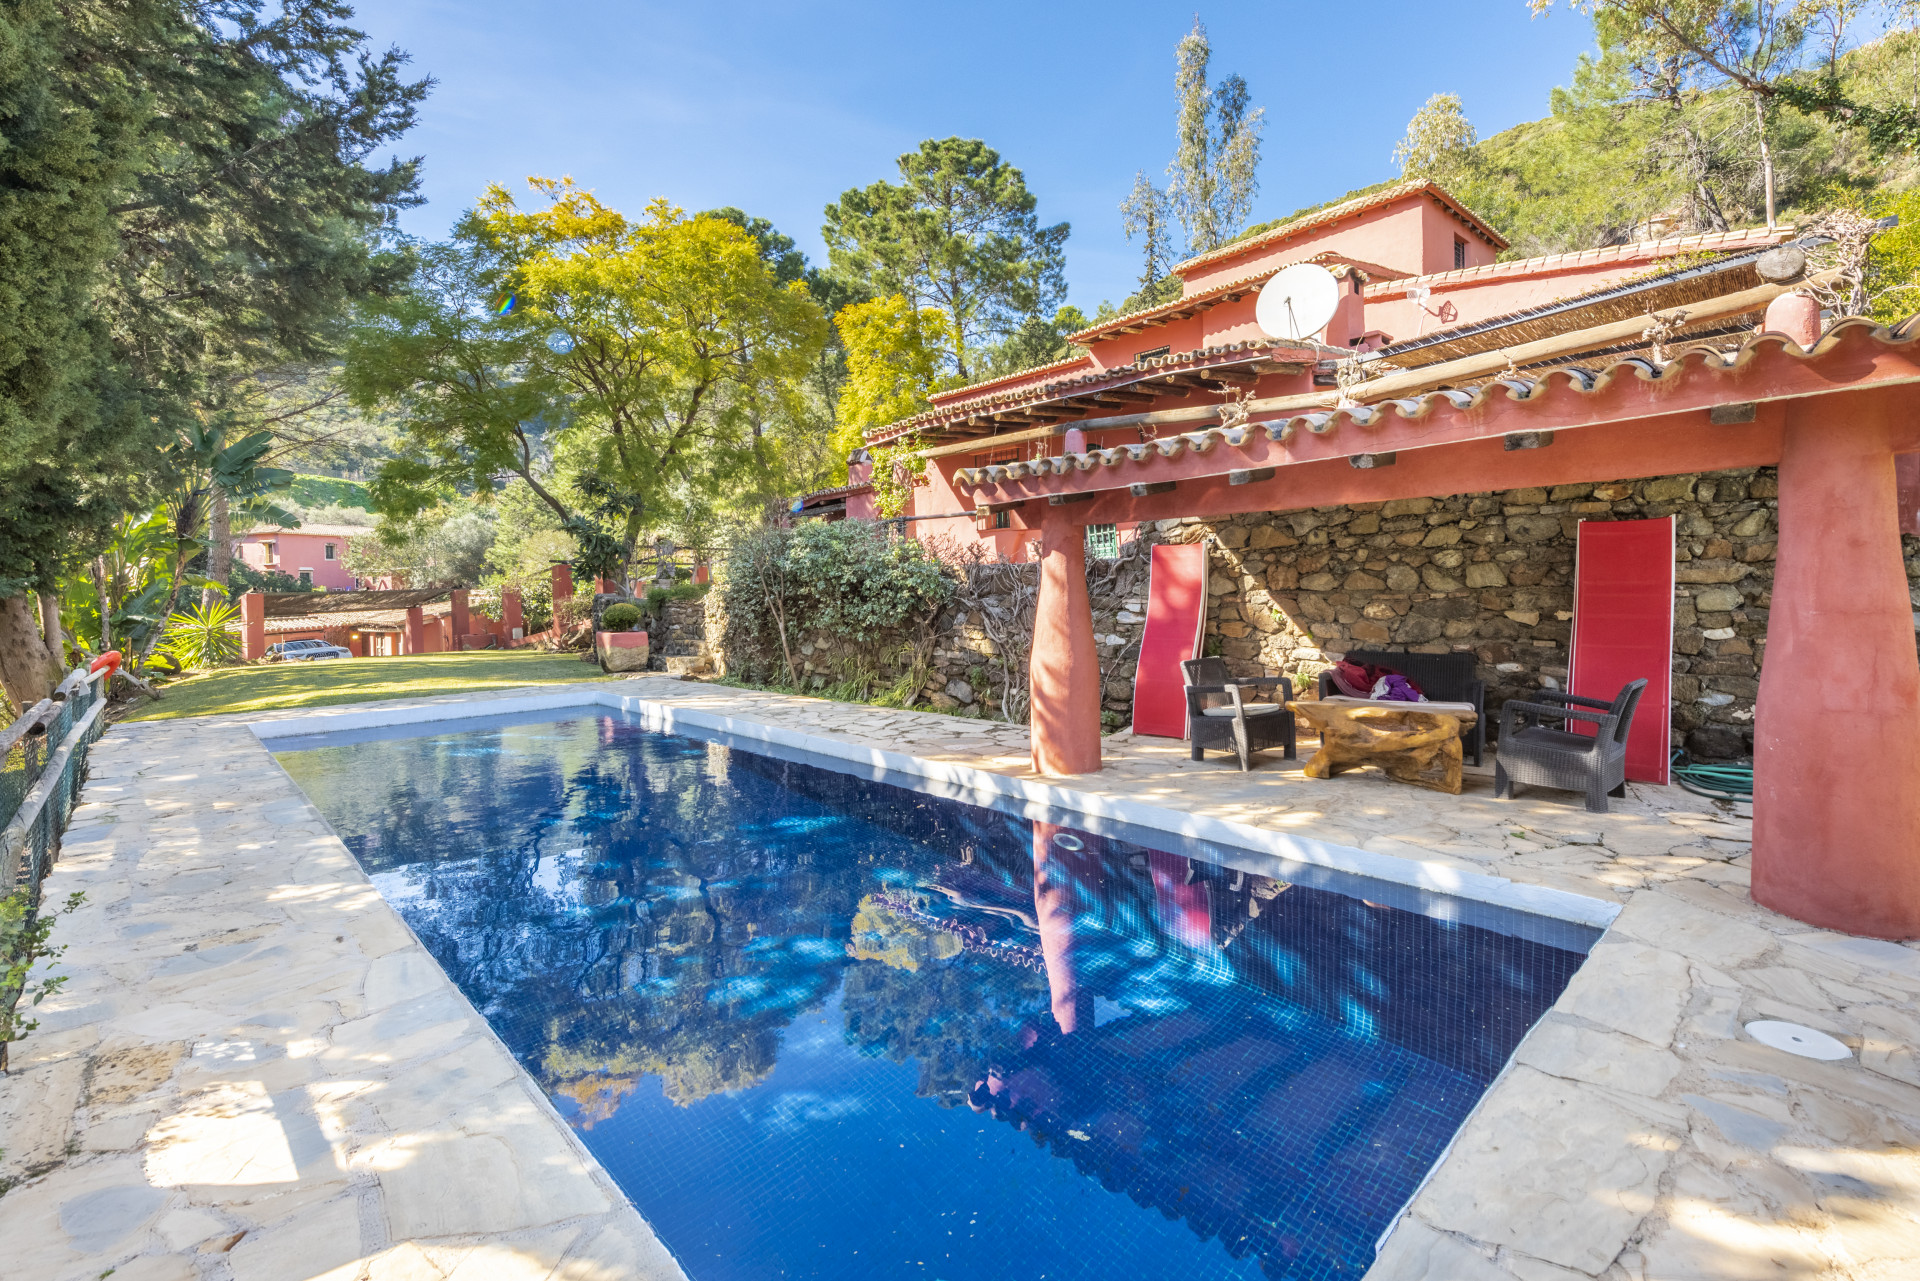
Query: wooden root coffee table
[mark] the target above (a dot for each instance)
(1416, 743)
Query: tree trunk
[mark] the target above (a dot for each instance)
(173, 599)
(106, 616)
(27, 671)
(55, 638)
(1766, 153)
(219, 550)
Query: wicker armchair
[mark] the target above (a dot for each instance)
(1539, 755)
(1217, 716)
(1444, 678)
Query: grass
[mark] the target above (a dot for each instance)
(328, 491)
(269, 687)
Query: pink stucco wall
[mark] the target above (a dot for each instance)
(290, 550)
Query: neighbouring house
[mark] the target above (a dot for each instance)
(851, 501)
(378, 623)
(311, 553)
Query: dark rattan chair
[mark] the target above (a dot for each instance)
(1218, 715)
(1535, 753)
(1444, 678)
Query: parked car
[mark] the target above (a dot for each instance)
(302, 651)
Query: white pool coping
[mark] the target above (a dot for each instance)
(1495, 891)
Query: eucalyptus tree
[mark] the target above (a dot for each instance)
(958, 233)
(1439, 141)
(1214, 175)
(1148, 214)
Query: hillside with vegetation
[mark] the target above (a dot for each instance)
(1616, 159)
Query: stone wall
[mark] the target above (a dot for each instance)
(678, 631)
(1292, 591)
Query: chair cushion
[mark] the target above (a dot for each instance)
(1541, 736)
(1251, 709)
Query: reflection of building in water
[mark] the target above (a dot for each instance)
(1200, 1097)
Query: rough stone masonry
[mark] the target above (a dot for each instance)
(1291, 591)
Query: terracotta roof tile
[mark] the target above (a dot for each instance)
(1113, 376)
(1526, 386)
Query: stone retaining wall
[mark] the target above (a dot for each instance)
(1490, 572)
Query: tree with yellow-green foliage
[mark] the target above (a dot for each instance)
(894, 356)
(630, 356)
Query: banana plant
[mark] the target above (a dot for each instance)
(206, 463)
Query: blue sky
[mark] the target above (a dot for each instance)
(777, 109)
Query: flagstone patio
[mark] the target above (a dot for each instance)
(257, 1072)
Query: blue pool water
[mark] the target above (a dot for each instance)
(817, 1025)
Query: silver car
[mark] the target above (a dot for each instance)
(302, 651)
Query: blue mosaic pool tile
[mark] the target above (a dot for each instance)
(819, 1026)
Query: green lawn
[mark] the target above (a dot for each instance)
(358, 680)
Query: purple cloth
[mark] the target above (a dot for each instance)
(1398, 688)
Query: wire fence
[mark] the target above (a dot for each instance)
(43, 761)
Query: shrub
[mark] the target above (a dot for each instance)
(855, 579)
(204, 636)
(619, 618)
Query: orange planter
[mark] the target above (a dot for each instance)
(621, 651)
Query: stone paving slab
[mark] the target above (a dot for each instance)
(1639, 1134)
(257, 1073)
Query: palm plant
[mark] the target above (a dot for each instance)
(204, 636)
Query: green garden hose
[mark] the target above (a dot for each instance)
(1720, 782)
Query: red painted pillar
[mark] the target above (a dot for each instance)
(605, 585)
(461, 621)
(1063, 875)
(511, 617)
(1836, 833)
(416, 633)
(1065, 667)
(253, 625)
(562, 582)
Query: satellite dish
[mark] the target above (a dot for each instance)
(1298, 302)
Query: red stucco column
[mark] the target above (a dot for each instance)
(416, 633)
(562, 582)
(1062, 873)
(1836, 834)
(1065, 667)
(461, 622)
(511, 617)
(253, 625)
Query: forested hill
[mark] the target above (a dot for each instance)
(1605, 166)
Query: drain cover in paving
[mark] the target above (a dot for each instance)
(1794, 1039)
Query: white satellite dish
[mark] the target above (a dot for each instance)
(1298, 302)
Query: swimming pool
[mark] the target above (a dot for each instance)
(818, 1025)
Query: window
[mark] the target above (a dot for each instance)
(329, 552)
(1459, 253)
(1141, 357)
(1003, 520)
(1103, 542)
(306, 576)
